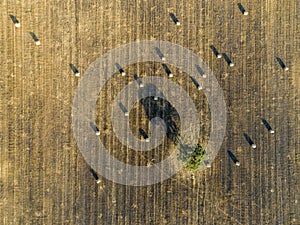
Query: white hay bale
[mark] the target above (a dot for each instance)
(37, 42)
(170, 74)
(178, 23)
(286, 68)
(237, 163)
(207, 164)
(98, 181)
(147, 139)
(272, 131)
(155, 98)
(219, 56)
(77, 74)
(17, 24)
(163, 58)
(231, 64)
(253, 145)
(126, 113)
(200, 87)
(245, 13)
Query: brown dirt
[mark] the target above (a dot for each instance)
(45, 180)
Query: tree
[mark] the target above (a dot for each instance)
(193, 157)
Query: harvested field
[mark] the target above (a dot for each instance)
(45, 180)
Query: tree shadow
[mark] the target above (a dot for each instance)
(161, 108)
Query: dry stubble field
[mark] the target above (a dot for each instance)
(43, 176)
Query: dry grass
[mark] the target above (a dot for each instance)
(45, 180)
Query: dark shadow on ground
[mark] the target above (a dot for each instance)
(161, 108)
(248, 139)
